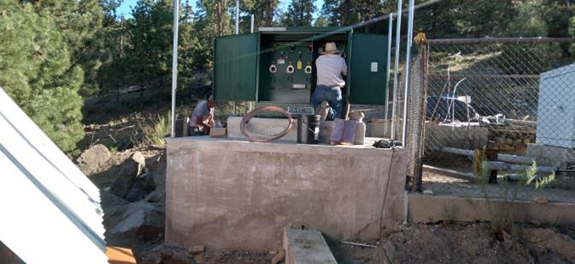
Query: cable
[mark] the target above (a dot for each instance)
(246, 119)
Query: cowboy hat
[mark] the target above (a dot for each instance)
(330, 48)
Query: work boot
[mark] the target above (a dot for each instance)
(357, 116)
(322, 110)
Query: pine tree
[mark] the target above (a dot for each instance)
(264, 12)
(36, 71)
(149, 50)
(300, 13)
(321, 21)
(211, 21)
(79, 22)
(529, 21)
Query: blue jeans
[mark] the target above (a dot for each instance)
(333, 97)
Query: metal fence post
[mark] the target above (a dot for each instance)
(416, 118)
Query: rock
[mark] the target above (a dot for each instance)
(140, 219)
(140, 189)
(506, 236)
(160, 177)
(128, 174)
(509, 141)
(388, 251)
(279, 257)
(428, 192)
(540, 200)
(165, 254)
(109, 200)
(535, 223)
(93, 159)
(196, 249)
(500, 140)
(155, 196)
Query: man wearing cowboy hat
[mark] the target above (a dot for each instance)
(203, 117)
(330, 68)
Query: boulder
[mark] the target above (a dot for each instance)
(141, 220)
(143, 186)
(109, 200)
(128, 174)
(94, 159)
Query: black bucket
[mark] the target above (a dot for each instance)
(308, 129)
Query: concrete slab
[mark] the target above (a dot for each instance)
(240, 195)
(431, 209)
(306, 247)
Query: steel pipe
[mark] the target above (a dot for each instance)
(502, 157)
(396, 68)
(407, 72)
(388, 71)
(496, 40)
(175, 66)
(499, 165)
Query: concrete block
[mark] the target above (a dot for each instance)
(376, 128)
(431, 209)
(196, 249)
(551, 155)
(239, 195)
(438, 136)
(306, 247)
(218, 132)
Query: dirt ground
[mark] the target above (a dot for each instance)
(436, 243)
(465, 243)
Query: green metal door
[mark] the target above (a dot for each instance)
(368, 64)
(235, 67)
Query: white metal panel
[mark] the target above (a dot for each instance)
(72, 197)
(44, 197)
(556, 108)
(33, 134)
(34, 228)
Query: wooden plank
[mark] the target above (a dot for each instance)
(118, 255)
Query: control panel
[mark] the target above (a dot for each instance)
(291, 70)
(291, 66)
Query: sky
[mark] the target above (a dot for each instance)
(127, 5)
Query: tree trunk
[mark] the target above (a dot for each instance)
(345, 17)
(269, 13)
(220, 10)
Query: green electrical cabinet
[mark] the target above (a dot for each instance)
(277, 65)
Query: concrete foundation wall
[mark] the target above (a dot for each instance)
(240, 195)
(431, 209)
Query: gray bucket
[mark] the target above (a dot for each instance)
(308, 129)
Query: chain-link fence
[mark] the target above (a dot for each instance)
(499, 118)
